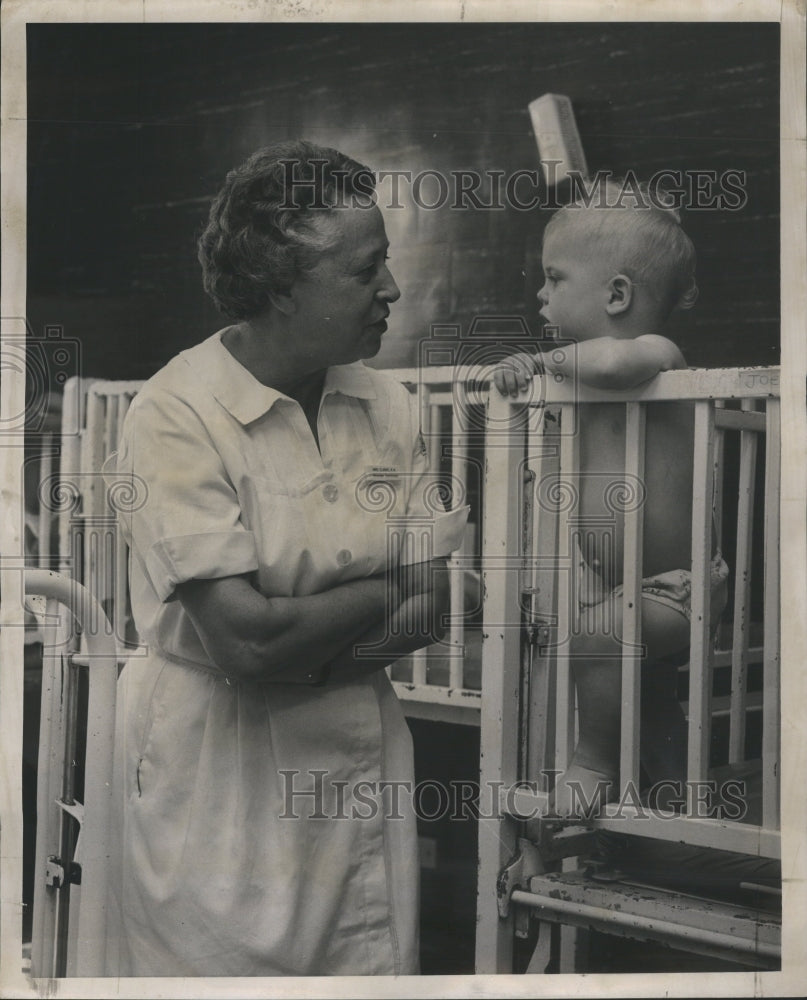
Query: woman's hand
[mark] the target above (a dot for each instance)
(417, 622)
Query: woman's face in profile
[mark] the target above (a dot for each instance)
(341, 305)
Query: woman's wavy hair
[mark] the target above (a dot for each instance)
(261, 233)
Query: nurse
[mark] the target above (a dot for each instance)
(288, 547)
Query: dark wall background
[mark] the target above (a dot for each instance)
(132, 128)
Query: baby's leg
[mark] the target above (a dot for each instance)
(596, 660)
(664, 727)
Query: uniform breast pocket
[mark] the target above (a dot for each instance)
(375, 509)
(280, 514)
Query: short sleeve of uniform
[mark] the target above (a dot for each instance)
(184, 521)
(426, 496)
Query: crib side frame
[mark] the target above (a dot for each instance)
(494, 932)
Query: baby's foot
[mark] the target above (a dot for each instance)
(582, 792)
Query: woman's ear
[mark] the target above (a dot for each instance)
(284, 302)
(620, 295)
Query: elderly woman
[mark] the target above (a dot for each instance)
(287, 549)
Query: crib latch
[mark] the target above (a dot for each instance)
(539, 633)
(525, 863)
(57, 874)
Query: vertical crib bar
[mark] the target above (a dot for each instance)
(770, 704)
(568, 484)
(538, 454)
(459, 563)
(717, 477)
(699, 659)
(69, 467)
(45, 517)
(110, 548)
(632, 601)
(97, 827)
(419, 658)
(93, 495)
(742, 592)
(110, 553)
(111, 423)
(526, 602)
(68, 826)
(501, 644)
(542, 459)
(93, 547)
(459, 473)
(121, 588)
(92, 453)
(123, 409)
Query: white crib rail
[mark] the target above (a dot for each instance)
(632, 603)
(91, 548)
(422, 681)
(771, 735)
(699, 650)
(523, 791)
(742, 581)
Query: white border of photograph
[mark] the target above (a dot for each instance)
(791, 15)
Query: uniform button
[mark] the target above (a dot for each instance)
(343, 557)
(330, 492)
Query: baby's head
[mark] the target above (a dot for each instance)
(615, 266)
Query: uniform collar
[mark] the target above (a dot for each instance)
(242, 395)
(350, 380)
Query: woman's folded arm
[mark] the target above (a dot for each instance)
(291, 639)
(252, 637)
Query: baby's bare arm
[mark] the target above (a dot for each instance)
(610, 363)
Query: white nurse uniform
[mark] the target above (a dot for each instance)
(254, 831)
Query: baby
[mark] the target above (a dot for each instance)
(613, 275)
